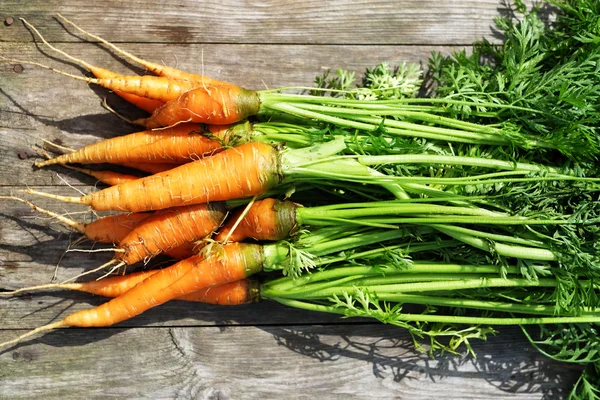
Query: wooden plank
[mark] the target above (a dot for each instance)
(277, 21)
(271, 362)
(32, 110)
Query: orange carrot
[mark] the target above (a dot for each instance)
(242, 291)
(267, 219)
(178, 144)
(212, 105)
(243, 171)
(183, 251)
(167, 229)
(108, 177)
(236, 261)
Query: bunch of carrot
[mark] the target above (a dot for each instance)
(420, 209)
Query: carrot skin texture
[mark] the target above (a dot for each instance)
(242, 291)
(178, 144)
(183, 251)
(148, 105)
(110, 178)
(113, 228)
(236, 261)
(216, 105)
(267, 219)
(247, 170)
(169, 229)
(151, 87)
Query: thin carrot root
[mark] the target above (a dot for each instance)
(119, 115)
(57, 146)
(45, 328)
(37, 288)
(78, 61)
(66, 199)
(100, 268)
(77, 226)
(158, 69)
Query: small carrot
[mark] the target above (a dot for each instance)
(211, 105)
(242, 291)
(109, 229)
(267, 219)
(108, 177)
(236, 261)
(243, 171)
(178, 144)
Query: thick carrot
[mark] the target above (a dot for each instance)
(167, 229)
(267, 219)
(243, 171)
(178, 144)
(211, 105)
(158, 69)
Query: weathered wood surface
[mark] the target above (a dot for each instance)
(199, 351)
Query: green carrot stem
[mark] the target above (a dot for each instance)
(462, 284)
(528, 253)
(450, 319)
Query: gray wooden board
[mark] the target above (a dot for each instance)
(413, 22)
(183, 350)
(257, 362)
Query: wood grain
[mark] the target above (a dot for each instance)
(265, 22)
(250, 362)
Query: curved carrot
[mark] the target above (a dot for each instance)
(211, 105)
(167, 229)
(235, 261)
(178, 144)
(267, 219)
(243, 171)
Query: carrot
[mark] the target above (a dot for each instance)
(168, 229)
(178, 144)
(211, 105)
(109, 229)
(236, 261)
(247, 170)
(267, 219)
(242, 291)
(158, 69)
